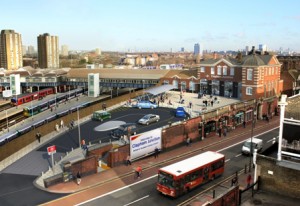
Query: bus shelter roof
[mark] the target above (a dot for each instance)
(161, 89)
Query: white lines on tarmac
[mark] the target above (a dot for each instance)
(136, 200)
(238, 155)
(227, 160)
(82, 203)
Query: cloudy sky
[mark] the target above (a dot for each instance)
(156, 25)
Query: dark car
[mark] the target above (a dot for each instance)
(124, 129)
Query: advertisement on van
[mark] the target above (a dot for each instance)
(144, 144)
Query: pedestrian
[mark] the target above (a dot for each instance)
(138, 171)
(61, 124)
(128, 161)
(267, 118)
(83, 144)
(224, 131)
(233, 181)
(244, 124)
(191, 104)
(220, 131)
(104, 106)
(38, 136)
(249, 178)
(212, 103)
(57, 127)
(188, 141)
(78, 178)
(156, 151)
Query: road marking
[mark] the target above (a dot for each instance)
(227, 160)
(274, 138)
(106, 194)
(238, 155)
(137, 200)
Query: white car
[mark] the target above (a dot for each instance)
(149, 118)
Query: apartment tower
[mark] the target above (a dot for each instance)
(48, 51)
(10, 50)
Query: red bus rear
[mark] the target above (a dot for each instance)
(178, 178)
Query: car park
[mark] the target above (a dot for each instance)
(124, 129)
(101, 115)
(146, 105)
(180, 112)
(149, 118)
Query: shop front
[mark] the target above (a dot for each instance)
(210, 128)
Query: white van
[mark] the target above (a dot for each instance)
(256, 144)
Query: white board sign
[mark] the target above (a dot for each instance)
(144, 144)
(7, 93)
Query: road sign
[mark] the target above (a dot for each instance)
(51, 150)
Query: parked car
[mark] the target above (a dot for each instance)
(146, 105)
(256, 144)
(180, 112)
(149, 118)
(124, 129)
(101, 115)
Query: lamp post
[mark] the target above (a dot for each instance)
(143, 86)
(7, 121)
(282, 105)
(252, 130)
(79, 136)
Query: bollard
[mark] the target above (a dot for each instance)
(67, 153)
(61, 157)
(72, 149)
(245, 169)
(214, 194)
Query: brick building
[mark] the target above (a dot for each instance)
(254, 76)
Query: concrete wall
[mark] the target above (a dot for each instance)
(284, 180)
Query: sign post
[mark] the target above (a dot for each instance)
(51, 150)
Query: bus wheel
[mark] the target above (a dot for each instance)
(213, 177)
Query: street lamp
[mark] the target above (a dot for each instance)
(282, 105)
(7, 121)
(79, 137)
(252, 130)
(143, 86)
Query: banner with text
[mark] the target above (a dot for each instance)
(144, 144)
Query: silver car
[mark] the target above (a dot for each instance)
(149, 118)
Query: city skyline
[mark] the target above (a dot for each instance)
(157, 25)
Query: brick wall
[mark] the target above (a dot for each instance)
(85, 167)
(284, 180)
(118, 156)
(99, 152)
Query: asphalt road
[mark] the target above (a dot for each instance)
(70, 139)
(144, 192)
(18, 189)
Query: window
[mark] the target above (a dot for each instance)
(231, 71)
(224, 70)
(249, 74)
(272, 70)
(202, 69)
(219, 70)
(249, 91)
(212, 70)
(166, 81)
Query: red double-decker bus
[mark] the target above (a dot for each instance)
(178, 178)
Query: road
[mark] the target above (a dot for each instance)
(144, 192)
(16, 180)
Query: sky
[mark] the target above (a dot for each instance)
(156, 25)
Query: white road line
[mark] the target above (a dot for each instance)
(106, 194)
(136, 200)
(238, 155)
(127, 186)
(227, 160)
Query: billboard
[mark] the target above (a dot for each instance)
(7, 93)
(144, 144)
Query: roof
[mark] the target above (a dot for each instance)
(160, 89)
(118, 73)
(192, 163)
(253, 60)
(184, 74)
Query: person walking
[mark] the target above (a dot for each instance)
(190, 104)
(38, 136)
(128, 161)
(138, 171)
(224, 131)
(188, 141)
(78, 178)
(249, 179)
(244, 124)
(61, 124)
(156, 151)
(220, 132)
